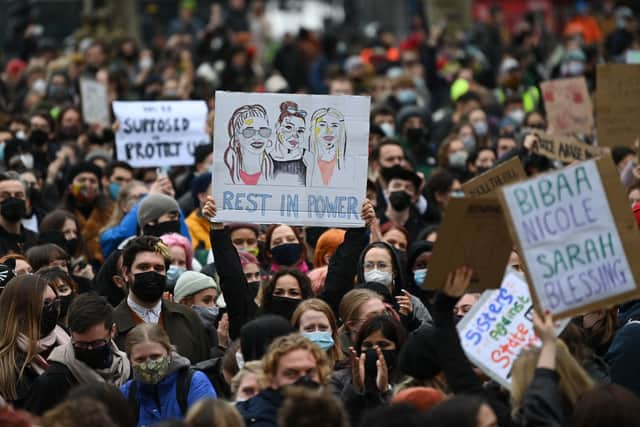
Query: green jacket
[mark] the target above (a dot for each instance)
(181, 323)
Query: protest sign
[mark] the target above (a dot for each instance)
(473, 234)
(566, 149)
(617, 104)
(455, 13)
(160, 133)
(568, 106)
(95, 102)
(499, 326)
(575, 232)
(488, 182)
(293, 159)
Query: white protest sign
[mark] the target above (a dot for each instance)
(160, 133)
(95, 102)
(565, 229)
(294, 159)
(499, 327)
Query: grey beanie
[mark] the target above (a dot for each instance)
(192, 282)
(154, 206)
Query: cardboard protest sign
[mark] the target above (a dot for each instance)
(160, 133)
(488, 182)
(568, 106)
(95, 102)
(473, 234)
(293, 159)
(566, 149)
(577, 237)
(455, 13)
(617, 104)
(499, 327)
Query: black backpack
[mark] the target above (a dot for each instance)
(183, 385)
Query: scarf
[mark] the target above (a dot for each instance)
(56, 338)
(117, 374)
(301, 266)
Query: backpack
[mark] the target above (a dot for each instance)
(183, 385)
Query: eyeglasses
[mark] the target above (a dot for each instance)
(90, 345)
(250, 132)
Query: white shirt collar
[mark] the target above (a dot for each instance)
(149, 315)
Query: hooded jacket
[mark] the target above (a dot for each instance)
(159, 402)
(624, 353)
(262, 409)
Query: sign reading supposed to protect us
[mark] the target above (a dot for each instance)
(565, 226)
(160, 133)
(499, 327)
(293, 159)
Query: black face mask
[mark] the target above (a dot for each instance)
(71, 246)
(287, 254)
(306, 382)
(162, 228)
(283, 306)
(65, 302)
(482, 169)
(415, 135)
(254, 287)
(69, 133)
(49, 318)
(13, 209)
(399, 200)
(38, 137)
(149, 286)
(370, 367)
(95, 358)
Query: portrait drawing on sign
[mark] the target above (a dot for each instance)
(328, 143)
(289, 155)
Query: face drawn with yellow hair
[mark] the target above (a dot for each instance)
(328, 139)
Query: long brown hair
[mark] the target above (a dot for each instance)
(20, 311)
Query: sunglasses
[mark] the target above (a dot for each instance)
(250, 132)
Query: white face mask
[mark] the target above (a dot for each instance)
(481, 128)
(384, 277)
(39, 86)
(388, 129)
(458, 159)
(517, 116)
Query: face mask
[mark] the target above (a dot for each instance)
(65, 302)
(469, 143)
(13, 209)
(207, 315)
(419, 276)
(481, 128)
(482, 169)
(388, 129)
(399, 200)
(172, 276)
(384, 277)
(371, 358)
(39, 86)
(306, 382)
(57, 93)
(145, 63)
(49, 318)
(162, 228)
(415, 135)
(255, 287)
(406, 96)
(239, 360)
(284, 306)
(95, 358)
(151, 371)
(322, 338)
(457, 194)
(71, 245)
(83, 193)
(458, 159)
(38, 137)
(253, 251)
(149, 286)
(69, 133)
(517, 116)
(287, 254)
(572, 69)
(114, 190)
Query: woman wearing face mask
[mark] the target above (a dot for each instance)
(28, 333)
(163, 386)
(129, 195)
(181, 257)
(251, 270)
(52, 255)
(65, 288)
(61, 227)
(600, 327)
(285, 248)
(69, 125)
(418, 257)
(452, 153)
(314, 319)
(284, 292)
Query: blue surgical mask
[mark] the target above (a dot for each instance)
(172, 275)
(114, 190)
(322, 338)
(419, 276)
(406, 96)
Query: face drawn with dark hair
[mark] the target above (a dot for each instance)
(290, 132)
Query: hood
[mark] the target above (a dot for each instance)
(400, 281)
(103, 281)
(628, 310)
(177, 362)
(416, 249)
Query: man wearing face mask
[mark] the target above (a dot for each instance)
(145, 261)
(415, 137)
(401, 192)
(90, 357)
(14, 237)
(158, 214)
(40, 134)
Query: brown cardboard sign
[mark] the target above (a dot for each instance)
(473, 234)
(566, 149)
(488, 182)
(568, 106)
(455, 13)
(617, 100)
(576, 236)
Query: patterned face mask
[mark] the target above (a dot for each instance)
(151, 371)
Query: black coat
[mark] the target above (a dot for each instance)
(50, 388)
(17, 243)
(262, 409)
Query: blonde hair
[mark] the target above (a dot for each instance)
(286, 344)
(147, 332)
(316, 304)
(341, 146)
(254, 367)
(118, 213)
(573, 379)
(212, 412)
(351, 303)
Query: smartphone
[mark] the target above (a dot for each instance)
(161, 173)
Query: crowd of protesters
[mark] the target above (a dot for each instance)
(123, 302)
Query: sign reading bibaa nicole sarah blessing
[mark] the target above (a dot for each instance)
(293, 159)
(575, 232)
(160, 133)
(499, 327)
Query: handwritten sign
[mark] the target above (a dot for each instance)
(617, 104)
(496, 177)
(293, 159)
(566, 149)
(473, 233)
(95, 102)
(499, 327)
(455, 13)
(569, 108)
(160, 133)
(565, 226)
